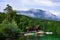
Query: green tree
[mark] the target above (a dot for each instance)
(10, 13)
(10, 30)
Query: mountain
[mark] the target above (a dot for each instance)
(41, 14)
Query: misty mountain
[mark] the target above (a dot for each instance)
(40, 14)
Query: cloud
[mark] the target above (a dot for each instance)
(48, 3)
(55, 12)
(43, 2)
(31, 3)
(55, 0)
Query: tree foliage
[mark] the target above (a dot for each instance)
(9, 30)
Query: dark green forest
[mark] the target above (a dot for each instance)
(12, 24)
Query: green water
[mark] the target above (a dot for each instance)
(49, 37)
(45, 37)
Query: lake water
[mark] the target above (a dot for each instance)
(45, 37)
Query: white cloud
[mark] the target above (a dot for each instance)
(48, 3)
(55, 12)
(43, 2)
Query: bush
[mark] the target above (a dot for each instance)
(10, 30)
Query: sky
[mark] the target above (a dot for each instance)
(52, 6)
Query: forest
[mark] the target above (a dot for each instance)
(13, 24)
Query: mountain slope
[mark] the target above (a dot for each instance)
(37, 13)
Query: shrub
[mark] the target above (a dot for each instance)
(10, 30)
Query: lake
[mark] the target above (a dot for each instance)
(45, 37)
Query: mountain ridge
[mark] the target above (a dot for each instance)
(38, 13)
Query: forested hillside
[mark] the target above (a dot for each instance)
(23, 21)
